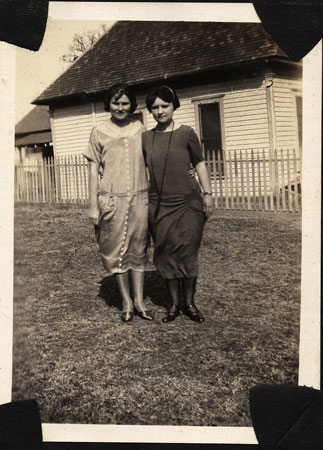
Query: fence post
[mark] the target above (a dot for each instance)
(85, 178)
(259, 182)
(242, 182)
(295, 182)
(277, 190)
(248, 181)
(216, 201)
(282, 177)
(220, 182)
(36, 179)
(76, 159)
(231, 181)
(225, 173)
(254, 200)
(79, 164)
(49, 190)
(236, 172)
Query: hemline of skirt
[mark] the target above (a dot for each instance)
(116, 271)
(171, 276)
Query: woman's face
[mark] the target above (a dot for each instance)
(120, 107)
(162, 111)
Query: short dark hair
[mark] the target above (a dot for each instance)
(119, 90)
(164, 92)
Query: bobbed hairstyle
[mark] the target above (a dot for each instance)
(119, 90)
(166, 93)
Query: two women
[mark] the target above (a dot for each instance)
(177, 210)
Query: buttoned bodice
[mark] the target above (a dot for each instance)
(121, 159)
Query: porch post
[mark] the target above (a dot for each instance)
(269, 86)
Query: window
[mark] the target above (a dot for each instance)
(210, 131)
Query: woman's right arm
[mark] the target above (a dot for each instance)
(93, 192)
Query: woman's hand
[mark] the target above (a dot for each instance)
(94, 212)
(208, 205)
(192, 172)
(204, 178)
(94, 215)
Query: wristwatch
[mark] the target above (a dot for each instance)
(207, 193)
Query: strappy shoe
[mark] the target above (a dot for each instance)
(172, 313)
(194, 314)
(145, 314)
(127, 316)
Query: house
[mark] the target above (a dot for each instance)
(237, 88)
(33, 136)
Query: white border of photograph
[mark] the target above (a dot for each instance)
(309, 363)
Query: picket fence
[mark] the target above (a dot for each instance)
(242, 180)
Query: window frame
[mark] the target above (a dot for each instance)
(206, 99)
(299, 123)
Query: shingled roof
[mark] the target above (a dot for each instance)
(34, 128)
(141, 52)
(36, 120)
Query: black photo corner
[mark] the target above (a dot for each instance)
(284, 417)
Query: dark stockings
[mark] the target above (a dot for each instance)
(173, 291)
(189, 286)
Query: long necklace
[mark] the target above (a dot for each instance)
(159, 192)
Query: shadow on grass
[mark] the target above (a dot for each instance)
(109, 291)
(154, 290)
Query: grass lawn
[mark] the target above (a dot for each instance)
(83, 365)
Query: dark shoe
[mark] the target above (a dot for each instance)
(146, 315)
(172, 313)
(127, 316)
(194, 314)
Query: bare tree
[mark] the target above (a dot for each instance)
(81, 42)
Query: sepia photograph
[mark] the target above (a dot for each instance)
(158, 222)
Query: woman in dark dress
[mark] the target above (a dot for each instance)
(177, 207)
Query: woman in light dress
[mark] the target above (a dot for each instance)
(119, 201)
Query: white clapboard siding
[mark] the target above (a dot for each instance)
(72, 127)
(246, 119)
(99, 112)
(285, 91)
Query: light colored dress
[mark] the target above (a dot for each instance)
(122, 196)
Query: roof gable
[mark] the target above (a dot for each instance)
(141, 52)
(36, 120)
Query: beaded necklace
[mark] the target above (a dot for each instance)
(159, 192)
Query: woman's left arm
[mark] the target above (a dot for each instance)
(198, 162)
(204, 179)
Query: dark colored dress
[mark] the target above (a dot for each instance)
(177, 229)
